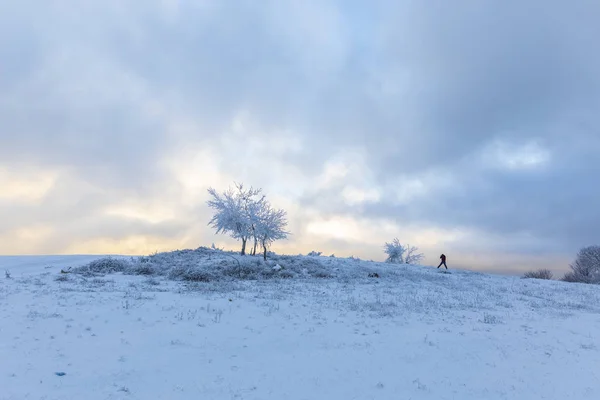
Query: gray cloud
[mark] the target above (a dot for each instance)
(484, 73)
(105, 92)
(477, 72)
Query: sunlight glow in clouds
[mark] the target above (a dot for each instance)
(152, 213)
(364, 121)
(25, 186)
(349, 229)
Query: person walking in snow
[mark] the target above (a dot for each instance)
(443, 258)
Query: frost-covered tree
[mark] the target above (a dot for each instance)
(246, 214)
(270, 226)
(395, 252)
(412, 255)
(586, 268)
(254, 209)
(235, 211)
(402, 254)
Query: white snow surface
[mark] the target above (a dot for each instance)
(412, 333)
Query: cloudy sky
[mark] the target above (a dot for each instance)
(464, 127)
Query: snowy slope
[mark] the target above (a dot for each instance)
(413, 333)
(25, 265)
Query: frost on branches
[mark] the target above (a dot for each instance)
(270, 226)
(246, 214)
(401, 254)
(586, 268)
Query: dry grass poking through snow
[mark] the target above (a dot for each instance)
(398, 288)
(208, 324)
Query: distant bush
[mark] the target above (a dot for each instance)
(141, 268)
(106, 265)
(315, 253)
(539, 274)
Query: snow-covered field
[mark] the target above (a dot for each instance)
(321, 331)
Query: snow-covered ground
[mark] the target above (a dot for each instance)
(412, 333)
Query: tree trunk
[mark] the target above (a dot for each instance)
(243, 247)
(255, 240)
(264, 246)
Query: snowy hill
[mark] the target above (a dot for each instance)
(206, 324)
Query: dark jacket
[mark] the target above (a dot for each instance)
(443, 257)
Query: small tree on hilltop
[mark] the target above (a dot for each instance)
(413, 256)
(253, 210)
(270, 226)
(402, 254)
(234, 212)
(395, 252)
(586, 268)
(246, 214)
